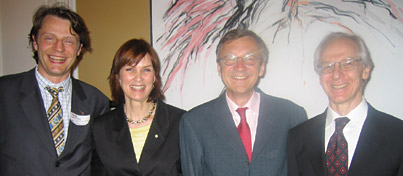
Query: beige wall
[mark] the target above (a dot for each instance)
(110, 24)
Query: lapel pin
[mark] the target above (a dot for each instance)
(156, 136)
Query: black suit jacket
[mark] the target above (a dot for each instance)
(26, 144)
(160, 155)
(379, 150)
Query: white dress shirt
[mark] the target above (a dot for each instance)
(252, 113)
(64, 97)
(352, 129)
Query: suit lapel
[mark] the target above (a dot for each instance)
(157, 134)
(224, 126)
(121, 133)
(266, 126)
(315, 145)
(369, 143)
(77, 107)
(32, 105)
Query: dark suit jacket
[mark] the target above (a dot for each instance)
(160, 155)
(379, 150)
(26, 144)
(210, 143)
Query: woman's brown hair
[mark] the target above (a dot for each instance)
(131, 53)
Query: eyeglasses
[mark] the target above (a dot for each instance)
(345, 65)
(229, 59)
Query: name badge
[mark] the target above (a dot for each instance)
(80, 120)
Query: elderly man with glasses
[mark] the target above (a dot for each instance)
(350, 137)
(243, 131)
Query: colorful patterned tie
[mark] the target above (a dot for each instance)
(55, 119)
(244, 132)
(337, 150)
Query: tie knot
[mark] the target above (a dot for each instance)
(53, 91)
(341, 122)
(241, 111)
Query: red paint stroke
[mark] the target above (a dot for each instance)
(203, 18)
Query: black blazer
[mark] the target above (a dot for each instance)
(26, 144)
(160, 155)
(379, 151)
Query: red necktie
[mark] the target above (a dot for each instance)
(337, 150)
(244, 132)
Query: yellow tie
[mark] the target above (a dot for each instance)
(56, 120)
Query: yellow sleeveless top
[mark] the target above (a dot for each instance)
(139, 136)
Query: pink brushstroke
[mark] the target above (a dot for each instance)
(201, 22)
(396, 10)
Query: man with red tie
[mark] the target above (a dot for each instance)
(350, 137)
(243, 131)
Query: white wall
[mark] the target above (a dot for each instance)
(16, 22)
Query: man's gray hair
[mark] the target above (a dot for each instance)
(363, 51)
(239, 33)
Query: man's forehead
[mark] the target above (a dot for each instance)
(52, 21)
(339, 47)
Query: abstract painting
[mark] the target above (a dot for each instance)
(185, 34)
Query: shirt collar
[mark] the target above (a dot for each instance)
(252, 104)
(357, 116)
(43, 82)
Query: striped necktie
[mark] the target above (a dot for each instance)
(56, 120)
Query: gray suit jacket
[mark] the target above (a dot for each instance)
(210, 143)
(26, 144)
(379, 150)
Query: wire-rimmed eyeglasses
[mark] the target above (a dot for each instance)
(248, 59)
(345, 65)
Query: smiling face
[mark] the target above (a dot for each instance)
(58, 47)
(137, 81)
(240, 79)
(343, 88)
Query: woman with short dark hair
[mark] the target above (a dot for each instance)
(139, 137)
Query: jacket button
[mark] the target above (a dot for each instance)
(57, 164)
(247, 163)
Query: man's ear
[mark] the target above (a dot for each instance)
(34, 43)
(262, 69)
(79, 50)
(366, 72)
(219, 69)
